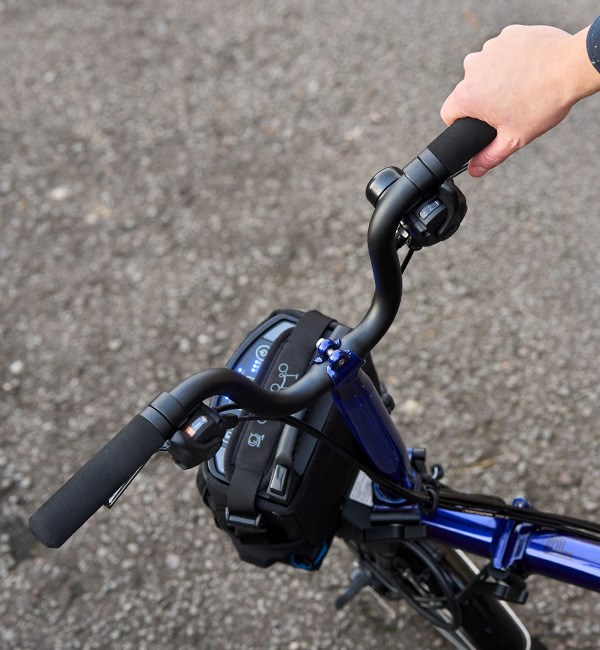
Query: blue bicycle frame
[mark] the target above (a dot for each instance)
(555, 555)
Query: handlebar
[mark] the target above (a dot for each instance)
(92, 485)
(455, 146)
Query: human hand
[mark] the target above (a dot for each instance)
(523, 83)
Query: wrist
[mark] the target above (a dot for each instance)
(583, 78)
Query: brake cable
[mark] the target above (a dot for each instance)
(442, 497)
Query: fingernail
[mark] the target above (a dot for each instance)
(477, 170)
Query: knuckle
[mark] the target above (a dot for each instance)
(463, 91)
(469, 60)
(453, 107)
(489, 160)
(499, 151)
(446, 114)
(510, 144)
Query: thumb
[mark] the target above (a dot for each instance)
(494, 154)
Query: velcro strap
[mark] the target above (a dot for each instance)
(258, 439)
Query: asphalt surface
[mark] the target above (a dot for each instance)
(172, 171)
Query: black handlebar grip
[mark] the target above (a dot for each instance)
(455, 146)
(91, 486)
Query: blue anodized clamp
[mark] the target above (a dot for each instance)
(510, 540)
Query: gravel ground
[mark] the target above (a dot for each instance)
(169, 173)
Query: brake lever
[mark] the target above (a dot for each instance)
(113, 498)
(192, 449)
(461, 170)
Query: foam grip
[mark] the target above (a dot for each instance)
(91, 486)
(455, 146)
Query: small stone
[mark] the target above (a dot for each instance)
(185, 346)
(566, 478)
(16, 367)
(9, 636)
(354, 134)
(172, 561)
(60, 193)
(411, 408)
(312, 86)
(114, 345)
(589, 505)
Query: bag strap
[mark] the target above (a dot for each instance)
(258, 439)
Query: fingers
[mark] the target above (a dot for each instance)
(463, 101)
(494, 154)
(462, 96)
(450, 110)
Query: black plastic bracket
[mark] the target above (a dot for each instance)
(508, 585)
(395, 533)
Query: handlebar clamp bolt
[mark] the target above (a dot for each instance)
(337, 358)
(325, 348)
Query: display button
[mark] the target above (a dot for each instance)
(278, 480)
(428, 209)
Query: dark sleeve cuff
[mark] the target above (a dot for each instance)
(593, 43)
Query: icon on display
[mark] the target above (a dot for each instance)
(283, 375)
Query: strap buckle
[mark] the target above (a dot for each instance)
(247, 524)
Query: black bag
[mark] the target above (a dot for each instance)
(273, 488)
